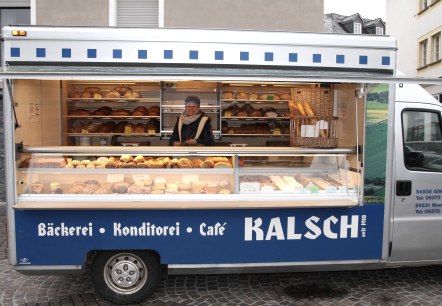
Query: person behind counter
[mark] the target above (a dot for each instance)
(193, 126)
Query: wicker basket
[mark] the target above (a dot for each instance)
(314, 132)
(321, 99)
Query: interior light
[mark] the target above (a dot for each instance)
(19, 33)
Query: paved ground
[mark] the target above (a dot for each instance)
(405, 286)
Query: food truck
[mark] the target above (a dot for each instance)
(324, 157)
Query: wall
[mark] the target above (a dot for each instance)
(288, 15)
(72, 13)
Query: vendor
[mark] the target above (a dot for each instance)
(193, 126)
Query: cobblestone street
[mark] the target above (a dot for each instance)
(402, 286)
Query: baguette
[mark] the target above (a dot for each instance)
(309, 109)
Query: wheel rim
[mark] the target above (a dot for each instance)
(125, 273)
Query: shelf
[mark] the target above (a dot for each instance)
(110, 134)
(112, 117)
(255, 135)
(256, 118)
(254, 101)
(107, 171)
(115, 100)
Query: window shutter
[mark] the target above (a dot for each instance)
(15, 3)
(137, 13)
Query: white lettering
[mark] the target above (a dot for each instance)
(146, 229)
(353, 226)
(253, 226)
(327, 227)
(311, 225)
(275, 230)
(291, 233)
(62, 230)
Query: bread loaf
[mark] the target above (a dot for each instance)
(102, 111)
(139, 111)
(309, 109)
(79, 112)
(108, 127)
(285, 96)
(120, 127)
(139, 128)
(75, 94)
(120, 112)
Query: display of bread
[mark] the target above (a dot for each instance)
(298, 182)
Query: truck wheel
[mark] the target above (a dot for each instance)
(126, 277)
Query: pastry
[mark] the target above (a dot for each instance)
(223, 165)
(36, 188)
(185, 163)
(120, 187)
(227, 95)
(171, 188)
(139, 159)
(207, 164)
(211, 188)
(126, 158)
(224, 191)
(198, 187)
(253, 97)
(184, 186)
(113, 94)
(217, 159)
(136, 190)
(122, 89)
(197, 162)
(92, 90)
(132, 95)
(242, 96)
(285, 96)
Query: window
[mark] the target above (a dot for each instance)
(423, 46)
(379, 31)
(424, 4)
(357, 28)
(422, 138)
(435, 47)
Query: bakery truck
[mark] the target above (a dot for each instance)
(324, 158)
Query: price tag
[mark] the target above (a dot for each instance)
(83, 131)
(277, 132)
(151, 132)
(249, 187)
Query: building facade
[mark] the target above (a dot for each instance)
(417, 26)
(353, 24)
(288, 15)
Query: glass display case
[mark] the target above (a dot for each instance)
(201, 177)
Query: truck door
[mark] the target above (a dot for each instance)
(417, 212)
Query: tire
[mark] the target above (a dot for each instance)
(126, 277)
